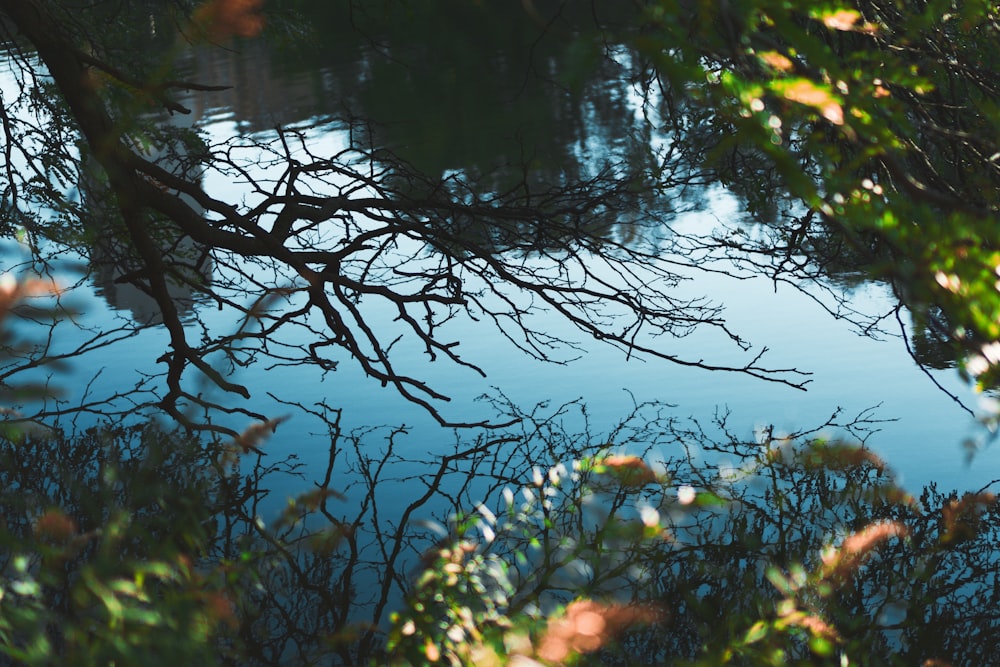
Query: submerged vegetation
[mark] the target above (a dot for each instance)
(138, 528)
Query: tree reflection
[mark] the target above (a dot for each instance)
(749, 545)
(317, 240)
(122, 539)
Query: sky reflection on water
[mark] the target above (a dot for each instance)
(848, 371)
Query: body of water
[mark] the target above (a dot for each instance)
(422, 101)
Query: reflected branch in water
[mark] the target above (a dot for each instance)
(373, 259)
(702, 535)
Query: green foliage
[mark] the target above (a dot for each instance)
(806, 553)
(880, 119)
(485, 595)
(142, 546)
(102, 541)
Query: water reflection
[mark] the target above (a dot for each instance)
(357, 227)
(521, 125)
(537, 177)
(318, 583)
(118, 273)
(567, 110)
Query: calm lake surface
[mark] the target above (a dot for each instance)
(465, 107)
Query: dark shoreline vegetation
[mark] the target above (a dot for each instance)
(139, 528)
(143, 545)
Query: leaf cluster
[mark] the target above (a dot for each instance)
(879, 119)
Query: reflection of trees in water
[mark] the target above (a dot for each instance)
(319, 583)
(562, 111)
(564, 105)
(320, 238)
(114, 274)
(332, 230)
(932, 346)
(117, 270)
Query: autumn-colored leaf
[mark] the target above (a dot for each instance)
(222, 19)
(586, 625)
(841, 562)
(255, 434)
(629, 470)
(55, 526)
(808, 93)
(847, 20)
(776, 60)
(841, 19)
(814, 624)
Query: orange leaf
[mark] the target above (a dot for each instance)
(222, 19)
(776, 60)
(842, 19)
(629, 470)
(808, 93)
